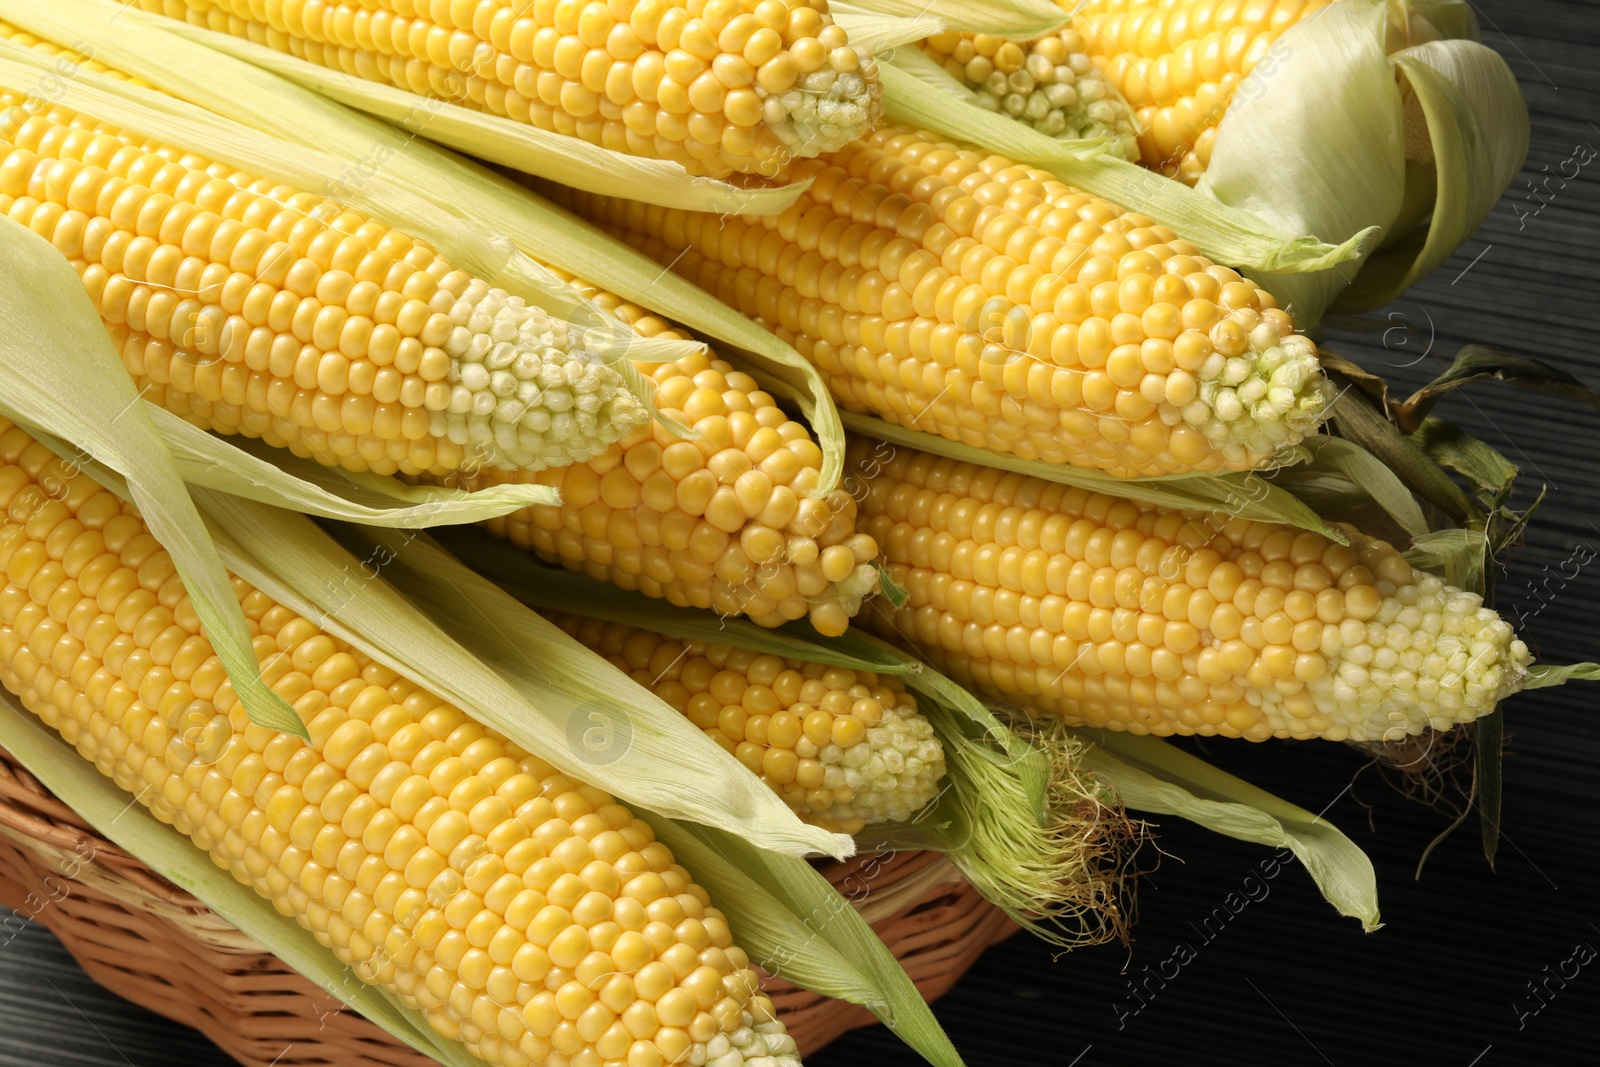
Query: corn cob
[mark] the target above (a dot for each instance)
(988, 303)
(248, 307)
(1050, 83)
(1133, 617)
(525, 913)
(844, 749)
(721, 521)
(716, 85)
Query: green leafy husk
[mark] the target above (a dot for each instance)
(1151, 775)
(143, 45)
(1240, 495)
(1542, 675)
(1452, 448)
(59, 377)
(1372, 477)
(1458, 556)
(1360, 417)
(76, 782)
(1023, 19)
(1486, 363)
(879, 33)
(411, 606)
(1016, 816)
(1223, 233)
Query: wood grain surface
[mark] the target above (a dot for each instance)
(1286, 981)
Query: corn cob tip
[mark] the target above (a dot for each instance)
(829, 107)
(527, 390)
(843, 748)
(726, 521)
(1429, 654)
(1051, 84)
(1256, 393)
(753, 1044)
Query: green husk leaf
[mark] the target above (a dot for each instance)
(1151, 775)
(142, 45)
(1223, 233)
(247, 468)
(889, 587)
(1021, 19)
(1457, 556)
(1488, 750)
(1478, 130)
(59, 375)
(797, 926)
(411, 606)
(1373, 477)
(568, 160)
(1244, 495)
(1542, 675)
(1485, 362)
(1012, 815)
(1358, 418)
(76, 782)
(1490, 473)
(1325, 492)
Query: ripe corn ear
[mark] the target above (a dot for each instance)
(249, 307)
(718, 86)
(1129, 616)
(523, 912)
(723, 520)
(986, 302)
(845, 749)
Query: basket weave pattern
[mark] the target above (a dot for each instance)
(154, 944)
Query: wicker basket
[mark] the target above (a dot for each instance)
(148, 941)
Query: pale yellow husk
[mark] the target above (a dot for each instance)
(1320, 144)
(1153, 776)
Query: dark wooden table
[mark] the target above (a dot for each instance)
(1289, 982)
